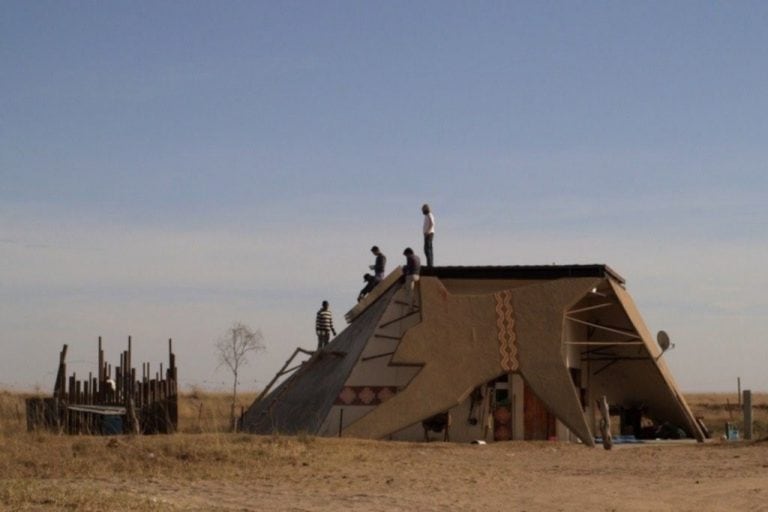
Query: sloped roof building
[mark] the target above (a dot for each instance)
(514, 352)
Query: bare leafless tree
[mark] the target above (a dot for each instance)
(232, 350)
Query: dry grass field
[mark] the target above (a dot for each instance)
(203, 468)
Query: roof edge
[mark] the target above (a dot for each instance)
(523, 272)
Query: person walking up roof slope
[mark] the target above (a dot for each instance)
(412, 271)
(324, 326)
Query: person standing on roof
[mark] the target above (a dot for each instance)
(378, 266)
(429, 233)
(412, 271)
(324, 326)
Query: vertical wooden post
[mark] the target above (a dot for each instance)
(61, 375)
(129, 367)
(747, 411)
(173, 401)
(133, 421)
(102, 378)
(738, 389)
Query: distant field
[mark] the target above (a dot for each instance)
(205, 412)
(199, 411)
(718, 408)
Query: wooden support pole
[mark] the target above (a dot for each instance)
(102, 378)
(133, 380)
(747, 411)
(173, 405)
(59, 387)
(281, 372)
(129, 367)
(133, 421)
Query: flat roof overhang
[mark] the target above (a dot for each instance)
(522, 272)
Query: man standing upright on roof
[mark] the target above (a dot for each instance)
(429, 233)
(324, 326)
(378, 266)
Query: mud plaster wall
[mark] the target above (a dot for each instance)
(457, 342)
(378, 371)
(539, 314)
(485, 286)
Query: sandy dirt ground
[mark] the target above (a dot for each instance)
(330, 474)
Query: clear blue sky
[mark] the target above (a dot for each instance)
(167, 168)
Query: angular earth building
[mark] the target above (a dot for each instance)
(518, 352)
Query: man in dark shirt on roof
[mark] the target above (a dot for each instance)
(412, 271)
(324, 325)
(370, 284)
(378, 266)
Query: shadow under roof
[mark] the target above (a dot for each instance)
(522, 272)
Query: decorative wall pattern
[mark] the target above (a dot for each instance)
(505, 326)
(365, 395)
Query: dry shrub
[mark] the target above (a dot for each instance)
(182, 456)
(23, 495)
(12, 413)
(205, 412)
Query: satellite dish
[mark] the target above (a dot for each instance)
(662, 338)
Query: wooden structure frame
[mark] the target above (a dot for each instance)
(110, 403)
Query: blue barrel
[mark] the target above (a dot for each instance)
(112, 425)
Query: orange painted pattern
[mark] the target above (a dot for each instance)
(505, 326)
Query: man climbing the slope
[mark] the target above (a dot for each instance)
(411, 271)
(324, 326)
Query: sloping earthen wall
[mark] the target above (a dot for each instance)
(302, 402)
(464, 341)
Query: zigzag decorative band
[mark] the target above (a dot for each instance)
(505, 326)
